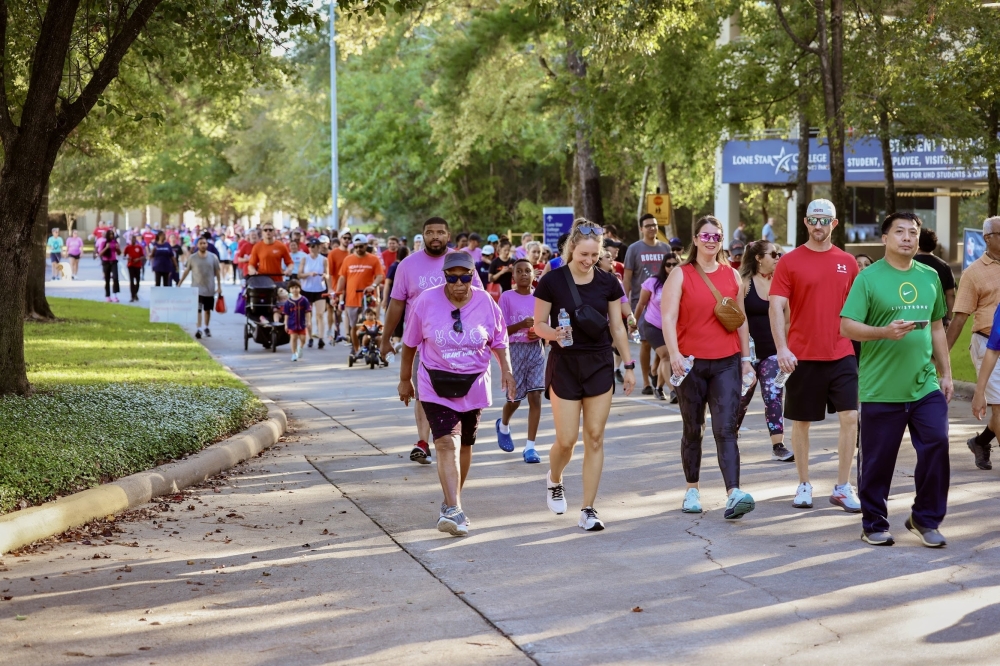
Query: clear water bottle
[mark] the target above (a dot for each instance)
(564, 323)
(635, 336)
(780, 379)
(753, 352)
(747, 382)
(675, 380)
(390, 358)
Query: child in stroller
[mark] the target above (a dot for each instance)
(369, 334)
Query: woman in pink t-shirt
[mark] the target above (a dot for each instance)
(456, 328)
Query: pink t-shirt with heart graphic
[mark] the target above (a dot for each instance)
(420, 271)
(516, 308)
(430, 328)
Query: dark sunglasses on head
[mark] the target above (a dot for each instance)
(464, 279)
(456, 314)
(590, 229)
(706, 237)
(819, 221)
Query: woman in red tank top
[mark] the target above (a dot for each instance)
(690, 328)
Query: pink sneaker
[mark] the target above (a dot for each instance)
(108, 299)
(114, 299)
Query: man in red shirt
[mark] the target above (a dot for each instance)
(243, 249)
(269, 257)
(136, 257)
(389, 253)
(148, 236)
(813, 280)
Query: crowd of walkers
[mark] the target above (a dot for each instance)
(843, 341)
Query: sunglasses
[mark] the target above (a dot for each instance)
(590, 229)
(819, 221)
(671, 264)
(456, 314)
(706, 237)
(268, 231)
(464, 279)
(773, 254)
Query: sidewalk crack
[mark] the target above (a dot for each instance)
(347, 427)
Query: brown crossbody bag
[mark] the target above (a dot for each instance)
(727, 310)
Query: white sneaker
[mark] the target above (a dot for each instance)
(453, 522)
(295, 357)
(846, 498)
(803, 496)
(589, 520)
(555, 496)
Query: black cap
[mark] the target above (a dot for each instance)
(459, 260)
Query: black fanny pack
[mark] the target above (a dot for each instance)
(451, 384)
(587, 318)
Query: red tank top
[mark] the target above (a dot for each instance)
(698, 331)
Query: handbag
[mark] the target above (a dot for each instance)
(727, 311)
(220, 305)
(451, 384)
(586, 317)
(241, 303)
(494, 290)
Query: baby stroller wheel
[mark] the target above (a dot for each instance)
(274, 340)
(246, 337)
(350, 360)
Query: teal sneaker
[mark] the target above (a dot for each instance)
(692, 501)
(738, 505)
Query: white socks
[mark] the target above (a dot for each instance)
(505, 429)
(529, 445)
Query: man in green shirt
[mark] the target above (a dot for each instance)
(896, 307)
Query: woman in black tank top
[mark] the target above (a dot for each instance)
(759, 261)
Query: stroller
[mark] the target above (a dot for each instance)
(261, 296)
(370, 355)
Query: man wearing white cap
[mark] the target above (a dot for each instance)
(360, 273)
(813, 280)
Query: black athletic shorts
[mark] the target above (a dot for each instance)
(312, 296)
(652, 334)
(446, 421)
(818, 387)
(206, 303)
(577, 376)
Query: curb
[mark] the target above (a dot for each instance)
(21, 528)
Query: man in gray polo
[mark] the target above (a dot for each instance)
(203, 267)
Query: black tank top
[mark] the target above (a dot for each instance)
(759, 323)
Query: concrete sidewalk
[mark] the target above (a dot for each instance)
(780, 585)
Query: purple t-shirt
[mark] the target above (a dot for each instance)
(652, 313)
(430, 329)
(516, 308)
(74, 245)
(477, 254)
(420, 271)
(295, 313)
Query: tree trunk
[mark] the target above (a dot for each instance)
(993, 183)
(590, 175)
(890, 179)
(575, 191)
(642, 195)
(802, 175)
(36, 306)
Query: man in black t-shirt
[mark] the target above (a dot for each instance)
(502, 268)
(926, 245)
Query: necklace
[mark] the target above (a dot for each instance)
(766, 276)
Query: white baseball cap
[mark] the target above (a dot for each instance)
(821, 208)
(360, 239)
(488, 249)
(418, 238)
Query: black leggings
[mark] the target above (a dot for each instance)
(134, 276)
(717, 383)
(162, 278)
(110, 276)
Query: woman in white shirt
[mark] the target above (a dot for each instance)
(311, 268)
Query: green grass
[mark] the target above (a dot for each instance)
(114, 395)
(961, 363)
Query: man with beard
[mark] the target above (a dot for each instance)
(360, 273)
(421, 270)
(813, 280)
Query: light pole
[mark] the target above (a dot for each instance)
(334, 166)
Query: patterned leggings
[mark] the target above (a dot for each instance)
(766, 370)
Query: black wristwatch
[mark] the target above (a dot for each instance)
(630, 365)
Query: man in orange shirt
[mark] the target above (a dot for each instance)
(334, 258)
(360, 273)
(269, 257)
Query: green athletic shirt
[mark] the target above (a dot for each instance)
(896, 370)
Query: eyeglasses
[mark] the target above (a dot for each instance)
(819, 221)
(268, 231)
(456, 314)
(649, 226)
(992, 233)
(706, 237)
(590, 229)
(671, 264)
(464, 279)
(773, 254)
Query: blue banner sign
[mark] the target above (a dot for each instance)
(777, 161)
(555, 223)
(975, 245)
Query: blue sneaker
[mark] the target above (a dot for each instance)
(506, 442)
(738, 505)
(531, 456)
(692, 501)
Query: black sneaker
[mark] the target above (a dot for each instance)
(981, 452)
(673, 397)
(779, 452)
(310, 343)
(619, 377)
(647, 390)
(659, 393)
(208, 333)
(321, 344)
(421, 453)
(197, 334)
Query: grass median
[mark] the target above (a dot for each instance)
(115, 395)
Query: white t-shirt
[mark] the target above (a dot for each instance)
(317, 265)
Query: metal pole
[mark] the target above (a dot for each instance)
(334, 166)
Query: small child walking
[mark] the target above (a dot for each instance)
(298, 313)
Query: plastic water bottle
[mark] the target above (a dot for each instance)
(753, 352)
(564, 323)
(675, 380)
(780, 379)
(747, 382)
(635, 336)
(390, 358)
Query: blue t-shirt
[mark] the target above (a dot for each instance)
(994, 341)
(555, 262)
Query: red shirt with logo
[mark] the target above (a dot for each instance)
(816, 285)
(136, 255)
